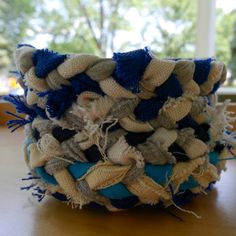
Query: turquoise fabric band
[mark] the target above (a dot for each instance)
(159, 173)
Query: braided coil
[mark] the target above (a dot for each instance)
(121, 131)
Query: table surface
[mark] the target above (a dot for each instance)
(21, 214)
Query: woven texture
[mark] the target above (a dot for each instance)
(121, 132)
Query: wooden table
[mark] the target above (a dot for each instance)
(22, 215)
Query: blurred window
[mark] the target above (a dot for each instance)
(169, 27)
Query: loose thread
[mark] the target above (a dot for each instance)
(64, 159)
(28, 187)
(114, 122)
(172, 214)
(226, 159)
(186, 211)
(102, 149)
(184, 154)
(168, 181)
(30, 178)
(39, 190)
(39, 196)
(232, 152)
(72, 203)
(180, 208)
(201, 172)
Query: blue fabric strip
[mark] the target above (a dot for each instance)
(213, 156)
(190, 183)
(159, 173)
(45, 61)
(187, 121)
(83, 82)
(78, 169)
(148, 109)
(215, 87)
(40, 171)
(170, 88)
(130, 67)
(24, 45)
(202, 70)
(116, 191)
(61, 99)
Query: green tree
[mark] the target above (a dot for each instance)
(224, 37)
(232, 62)
(15, 16)
(93, 25)
(89, 26)
(174, 27)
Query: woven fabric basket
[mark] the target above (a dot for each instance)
(122, 131)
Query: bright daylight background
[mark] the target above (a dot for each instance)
(168, 27)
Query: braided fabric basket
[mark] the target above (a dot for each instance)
(122, 131)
